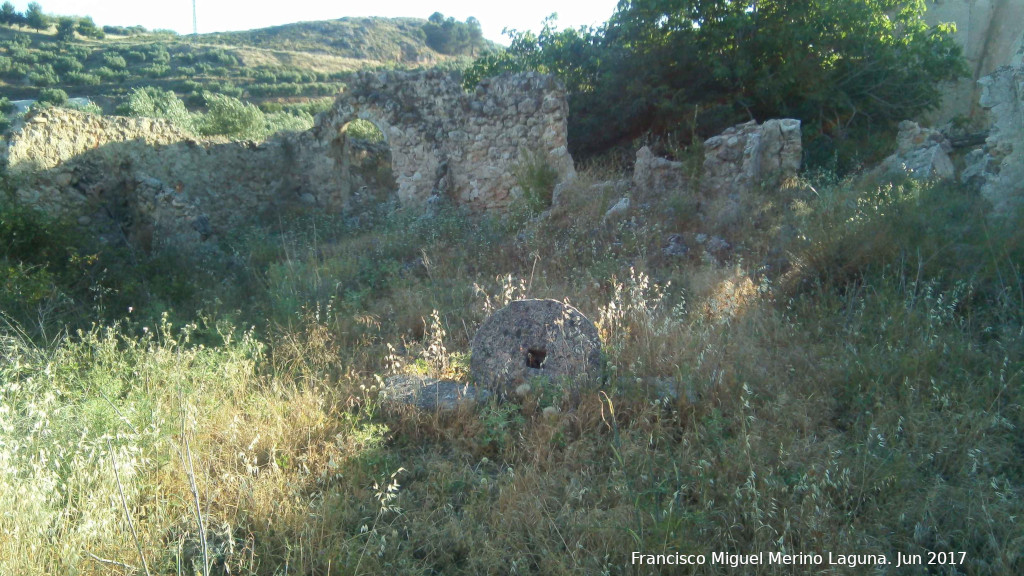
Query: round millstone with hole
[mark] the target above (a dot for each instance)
(535, 339)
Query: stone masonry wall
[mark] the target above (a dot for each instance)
(445, 141)
(146, 173)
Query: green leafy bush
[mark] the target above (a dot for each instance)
(151, 102)
(114, 61)
(228, 116)
(537, 178)
(82, 79)
(65, 64)
(54, 96)
(686, 67)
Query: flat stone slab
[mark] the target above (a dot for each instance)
(428, 393)
(530, 339)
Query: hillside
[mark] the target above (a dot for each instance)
(293, 62)
(396, 40)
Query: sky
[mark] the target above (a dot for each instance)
(223, 15)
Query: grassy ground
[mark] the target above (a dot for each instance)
(848, 382)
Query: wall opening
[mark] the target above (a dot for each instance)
(369, 159)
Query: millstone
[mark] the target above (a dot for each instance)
(531, 339)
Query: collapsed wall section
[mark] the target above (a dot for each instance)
(153, 180)
(146, 174)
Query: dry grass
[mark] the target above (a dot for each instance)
(867, 400)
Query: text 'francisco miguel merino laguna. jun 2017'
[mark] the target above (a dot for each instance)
(779, 558)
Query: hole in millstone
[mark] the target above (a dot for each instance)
(535, 357)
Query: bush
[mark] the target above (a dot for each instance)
(82, 79)
(88, 108)
(151, 102)
(114, 61)
(109, 75)
(43, 75)
(227, 116)
(365, 130)
(156, 70)
(537, 179)
(64, 64)
(286, 122)
(87, 28)
(54, 96)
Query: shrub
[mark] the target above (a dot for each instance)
(21, 54)
(110, 75)
(151, 102)
(82, 79)
(88, 108)
(156, 70)
(228, 116)
(285, 122)
(87, 28)
(537, 178)
(114, 61)
(365, 130)
(54, 96)
(64, 64)
(43, 75)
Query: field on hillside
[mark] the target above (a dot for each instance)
(846, 379)
(291, 63)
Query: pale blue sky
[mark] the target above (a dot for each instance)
(220, 15)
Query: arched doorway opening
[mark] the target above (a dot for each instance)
(368, 156)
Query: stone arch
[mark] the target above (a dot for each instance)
(365, 155)
(413, 160)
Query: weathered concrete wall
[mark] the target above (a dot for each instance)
(445, 141)
(991, 33)
(147, 174)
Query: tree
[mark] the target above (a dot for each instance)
(87, 28)
(65, 29)
(694, 67)
(476, 35)
(449, 36)
(35, 18)
(8, 15)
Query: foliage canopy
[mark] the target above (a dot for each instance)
(694, 67)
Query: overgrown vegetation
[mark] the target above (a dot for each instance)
(850, 380)
(864, 398)
(846, 68)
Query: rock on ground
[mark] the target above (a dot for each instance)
(751, 155)
(922, 153)
(428, 393)
(531, 339)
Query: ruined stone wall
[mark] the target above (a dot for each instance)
(445, 141)
(991, 33)
(145, 173)
(998, 168)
